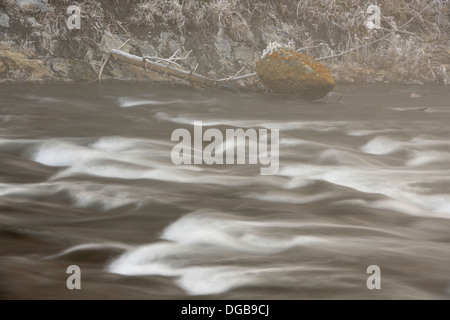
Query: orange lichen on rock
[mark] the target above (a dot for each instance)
(288, 72)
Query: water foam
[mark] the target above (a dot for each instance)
(283, 197)
(91, 247)
(382, 145)
(196, 239)
(366, 132)
(318, 126)
(125, 158)
(84, 194)
(422, 157)
(400, 184)
(56, 153)
(127, 102)
(230, 232)
(387, 204)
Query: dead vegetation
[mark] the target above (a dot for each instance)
(324, 28)
(417, 53)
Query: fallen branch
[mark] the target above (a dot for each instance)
(249, 75)
(232, 77)
(168, 70)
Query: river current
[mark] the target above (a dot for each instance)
(87, 179)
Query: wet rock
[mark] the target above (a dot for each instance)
(60, 67)
(4, 19)
(146, 49)
(191, 63)
(72, 48)
(69, 70)
(380, 76)
(8, 44)
(244, 55)
(224, 55)
(110, 41)
(223, 48)
(18, 67)
(89, 56)
(45, 44)
(95, 65)
(34, 24)
(164, 35)
(168, 44)
(173, 46)
(288, 72)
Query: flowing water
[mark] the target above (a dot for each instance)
(86, 179)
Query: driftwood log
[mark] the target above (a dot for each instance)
(189, 76)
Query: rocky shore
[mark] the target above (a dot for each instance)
(219, 40)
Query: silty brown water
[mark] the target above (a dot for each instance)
(86, 179)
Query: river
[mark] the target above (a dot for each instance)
(86, 179)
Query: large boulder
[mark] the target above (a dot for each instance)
(288, 72)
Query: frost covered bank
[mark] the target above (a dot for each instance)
(222, 36)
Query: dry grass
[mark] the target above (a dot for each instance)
(7, 4)
(224, 16)
(332, 21)
(317, 27)
(159, 13)
(326, 27)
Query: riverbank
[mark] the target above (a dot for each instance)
(220, 38)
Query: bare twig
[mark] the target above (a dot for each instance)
(249, 75)
(342, 95)
(312, 47)
(123, 44)
(232, 77)
(171, 60)
(195, 69)
(402, 31)
(103, 67)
